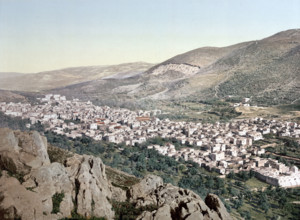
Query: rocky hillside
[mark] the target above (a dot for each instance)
(43, 182)
(64, 77)
(266, 70)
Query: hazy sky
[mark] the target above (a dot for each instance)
(39, 35)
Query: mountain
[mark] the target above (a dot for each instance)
(266, 70)
(9, 74)
(63, 77)
(38, 181)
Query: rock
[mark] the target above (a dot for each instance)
(22, 151)
(163, 213)
(214, 203)
(145, 186)
(82, 180)
(17, 202)
(118, 194)
(91, 188)
(49, 180)
(179, 203)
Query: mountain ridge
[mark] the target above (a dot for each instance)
(266, 70)
(251, 69)
(46, 80)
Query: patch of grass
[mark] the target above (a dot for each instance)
(76, 216)
(57, 154)
(292, 107)
(18, 176)
(30, 189)
(120, 179)
(127, 210)
(255, 183)
(57, 198)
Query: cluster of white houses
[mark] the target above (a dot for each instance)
(224, 147)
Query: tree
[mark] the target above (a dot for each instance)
(282, 201)
(220, 183)
(209, 183)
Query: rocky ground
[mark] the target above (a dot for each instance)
(30, 184)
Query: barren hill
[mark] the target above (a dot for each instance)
(64, 77)
(266, 70)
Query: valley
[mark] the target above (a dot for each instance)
(221, 120)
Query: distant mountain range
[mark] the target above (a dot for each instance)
(266, 70)
(58, 78)
(4, 75)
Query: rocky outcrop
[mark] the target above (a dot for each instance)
(17, 202)
(49, 180)
(145, 186)
(175, 203)
(82, 183)
(186, 69)
(81, 180)
(91, 188)
(20, 152)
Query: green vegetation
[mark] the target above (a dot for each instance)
(253, 84)
(242, 191)
(120, 179)
(128, 211)
(57, 154)
(285, 149)
(79, 217)
(258, 200)
(210, 110)
(16, 123)
(57, 198)
(291, 107)
(242, 194)
(18, 176)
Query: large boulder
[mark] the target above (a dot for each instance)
(91, 188)
(81, 179)
(145, 186)
(22, 151)
(214, 203)
(48, 181)
(177, 203)
(17, 202)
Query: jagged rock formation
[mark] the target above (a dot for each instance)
(183, 68)
(86, 189)
(20, 153)
(81, 179)
(174, 202)
(91, 186)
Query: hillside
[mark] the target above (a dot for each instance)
(266, 70)
(34, 184)
(4, 75)
(64, 77)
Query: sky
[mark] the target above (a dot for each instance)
(41, 35)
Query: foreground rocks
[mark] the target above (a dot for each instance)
(29, 183)
(81, 180)
(175, 203)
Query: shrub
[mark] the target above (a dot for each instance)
(56, 200)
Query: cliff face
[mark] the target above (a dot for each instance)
(30, 185)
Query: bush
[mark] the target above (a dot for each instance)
(57, 198)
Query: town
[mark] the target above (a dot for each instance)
(223, 147)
